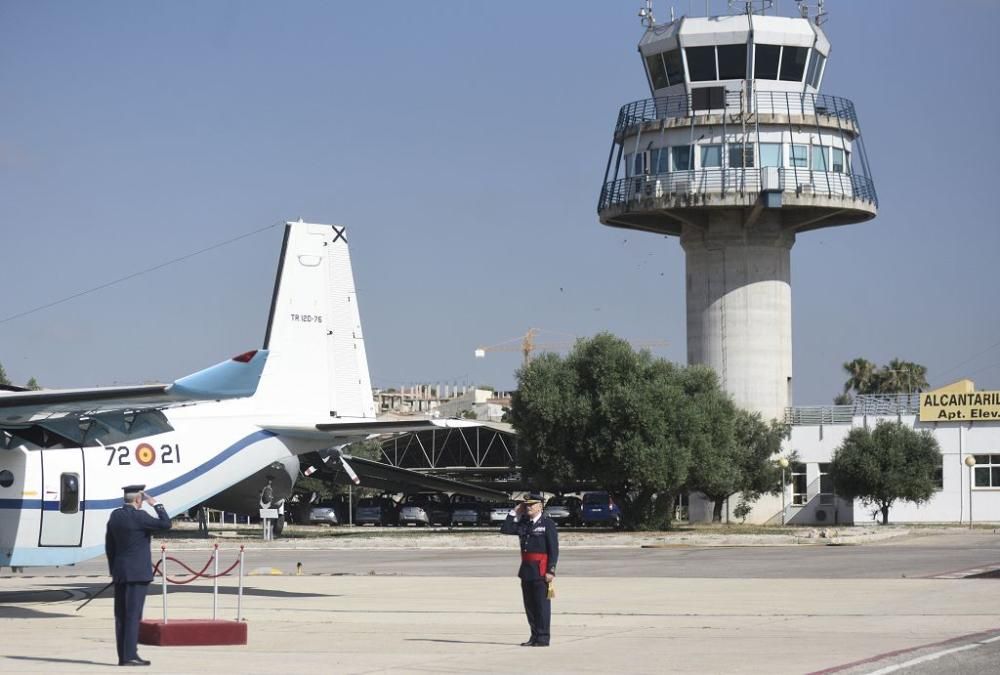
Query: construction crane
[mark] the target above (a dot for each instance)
(527, 345)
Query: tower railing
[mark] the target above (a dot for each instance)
(735, 181)
(732, 102)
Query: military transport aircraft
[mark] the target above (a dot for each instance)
(65, 454)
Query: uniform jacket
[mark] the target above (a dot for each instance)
(539, 537)
(127, 542)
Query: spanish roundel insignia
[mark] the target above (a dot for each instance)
(145, 454)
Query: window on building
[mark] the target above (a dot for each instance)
(987, 471)
(639, 165)
(701, 63)
(682, 157)
(765, 62)
(675, 66)
(838, 161)
(629, 159)
(732, 61)
(793, 63)
(708, 98)
(938, 477)
(770, 154)
(815, 69)
(740, 155)
(819, 158)
(657, 72)
(711, 156)
(660, 160)
(800, 156)
(800, 486)
(826, 494)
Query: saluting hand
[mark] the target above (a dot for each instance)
(149, 499)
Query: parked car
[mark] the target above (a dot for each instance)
(424, 508)
(465, 510)
(497, 512)
(599, 508)
(376, 511)
(324, 512)
(563, 510)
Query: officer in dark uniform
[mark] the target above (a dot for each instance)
(130, 563)
(539, 555)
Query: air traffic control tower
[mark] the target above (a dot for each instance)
(737, 153)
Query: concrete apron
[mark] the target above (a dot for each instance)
(434, 624)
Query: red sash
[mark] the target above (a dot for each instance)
(542, 559)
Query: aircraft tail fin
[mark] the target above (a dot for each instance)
(316, 366)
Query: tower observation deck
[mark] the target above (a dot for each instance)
(736, 153)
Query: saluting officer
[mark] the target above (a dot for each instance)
(539, 555)
(130, 563)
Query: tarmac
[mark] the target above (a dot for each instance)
(473, 624)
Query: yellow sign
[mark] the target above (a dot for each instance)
(959, 402)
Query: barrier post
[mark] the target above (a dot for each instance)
(215, 583)
(239, 592)
(163, 578)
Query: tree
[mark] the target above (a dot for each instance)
(4, 380)
(865, 377)
(742, 465)
(861, 376)
(617, 418)
(33, 385)
(892, 462)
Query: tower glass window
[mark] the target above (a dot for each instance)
(815, 69)
(765, 63)
(770, 154)
(711, 156)
(701, 63)
(819, 158)
(838, 161)
(682, 157)
(732, 61)
(660, 160)
(800, 156)
(793, 63)
(740, 155)
(674, 65)
(708, 98)
(657, 72)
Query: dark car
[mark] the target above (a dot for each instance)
(376, 511)
(599, 508)
(564, 510)
(465, 510)
(425, 508)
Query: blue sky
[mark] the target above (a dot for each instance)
(463, 144)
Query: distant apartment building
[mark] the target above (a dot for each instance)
(443, 400)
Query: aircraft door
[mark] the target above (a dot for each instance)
(62, 497)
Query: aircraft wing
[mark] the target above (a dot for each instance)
(351, 430)
(370, 473)
(234, 378)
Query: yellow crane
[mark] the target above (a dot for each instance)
(526, 344)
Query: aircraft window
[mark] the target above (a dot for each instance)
(99, 433)
(815, 69)
(701, 63)
(69, 500)
(675, 67)
(793, 63)
(657, 73)
(765, 65)
(708, 98)
(6, 478)
(711, 156)
(770, 154)
(732, 62)
(682, 157)
(148, 423)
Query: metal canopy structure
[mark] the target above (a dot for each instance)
(488, 450)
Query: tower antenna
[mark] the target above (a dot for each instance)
(646, 15)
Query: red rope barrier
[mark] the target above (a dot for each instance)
(196, 575)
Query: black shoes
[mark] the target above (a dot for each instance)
(534, 643)
(134, 662)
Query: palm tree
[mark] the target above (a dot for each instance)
(902, 377)
(3, 376)
(862, 375)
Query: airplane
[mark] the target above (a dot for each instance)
(65, 454)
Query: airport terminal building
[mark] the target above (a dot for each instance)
(965, 423)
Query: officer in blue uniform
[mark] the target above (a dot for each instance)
(539, 555)
(130, 563)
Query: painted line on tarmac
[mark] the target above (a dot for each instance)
(977, 642)
(966, 573)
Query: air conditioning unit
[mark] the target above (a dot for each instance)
(821, 515)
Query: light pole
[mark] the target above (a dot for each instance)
(783, 463)
(970, 462)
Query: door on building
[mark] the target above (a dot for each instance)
(62, 497)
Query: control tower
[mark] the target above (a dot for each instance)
(737, 153)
